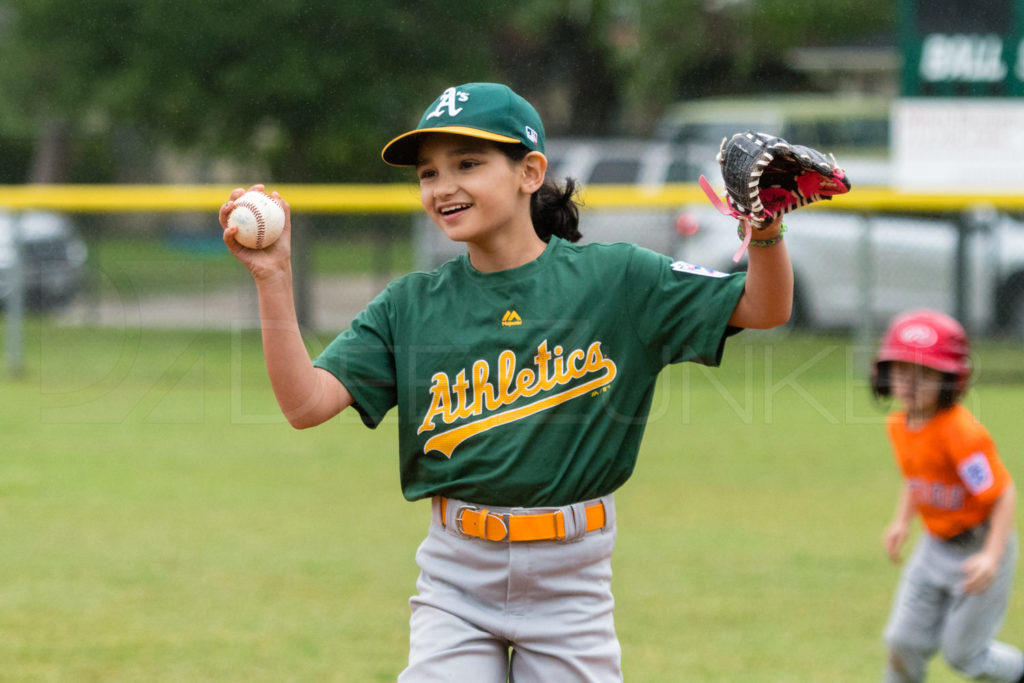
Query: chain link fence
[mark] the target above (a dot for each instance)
(93, 257)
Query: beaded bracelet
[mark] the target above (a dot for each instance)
(762, 243)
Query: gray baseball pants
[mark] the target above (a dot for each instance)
(931, 613)
(529, 612)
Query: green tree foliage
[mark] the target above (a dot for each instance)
(305, 85)
(311, 88)
(690, 48)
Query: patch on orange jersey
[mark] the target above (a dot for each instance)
(976, 473)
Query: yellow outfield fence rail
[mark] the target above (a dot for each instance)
(404, 198)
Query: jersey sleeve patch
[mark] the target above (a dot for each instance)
(684, 267)
(976, 473)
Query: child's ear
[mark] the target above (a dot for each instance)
(535, 166)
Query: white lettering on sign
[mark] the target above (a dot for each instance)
(963, 58)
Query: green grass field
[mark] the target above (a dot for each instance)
(161, 522)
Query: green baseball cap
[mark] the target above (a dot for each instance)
(490, 111)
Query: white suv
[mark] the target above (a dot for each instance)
(849, 267)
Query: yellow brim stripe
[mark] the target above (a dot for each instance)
(396, 158)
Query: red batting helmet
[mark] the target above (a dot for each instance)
(929, 338)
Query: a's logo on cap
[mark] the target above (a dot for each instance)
(922, 336)
(448, 101)
(531, 135)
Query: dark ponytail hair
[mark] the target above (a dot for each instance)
(950, 389)
(554, 208)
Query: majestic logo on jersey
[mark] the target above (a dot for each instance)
(510, 319)
(449, 99)
(555, 378)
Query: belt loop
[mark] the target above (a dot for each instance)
(575, 520)
(448, 512)
(607, 504)
(437, 504)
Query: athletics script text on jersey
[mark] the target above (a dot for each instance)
(555, 378)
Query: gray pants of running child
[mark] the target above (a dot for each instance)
(931, 613)
(529, 612)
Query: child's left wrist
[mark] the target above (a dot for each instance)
(767, 237)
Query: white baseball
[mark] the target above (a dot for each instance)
(259, 219)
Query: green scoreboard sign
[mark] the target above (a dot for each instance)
(962, 48)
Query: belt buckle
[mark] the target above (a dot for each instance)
(458, 516)
(502, 519)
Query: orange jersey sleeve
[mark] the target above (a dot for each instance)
(952, 468)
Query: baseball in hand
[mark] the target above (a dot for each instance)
(259, 219)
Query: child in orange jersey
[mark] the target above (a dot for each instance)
(954, 591)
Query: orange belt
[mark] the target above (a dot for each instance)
(542, 526)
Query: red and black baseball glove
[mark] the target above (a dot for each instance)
(766, 176)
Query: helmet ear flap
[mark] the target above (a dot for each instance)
(954, 386)
(881, 384)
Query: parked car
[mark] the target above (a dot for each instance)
(842, 124)
(849, 267)
(624, 161)
(53, 258)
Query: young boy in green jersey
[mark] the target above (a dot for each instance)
(523, 372)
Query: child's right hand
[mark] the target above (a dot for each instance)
(979, 571)
(893, 539)
(262, 263)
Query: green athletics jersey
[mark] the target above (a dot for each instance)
(529, 387)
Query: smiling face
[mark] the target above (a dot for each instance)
(474, 192)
